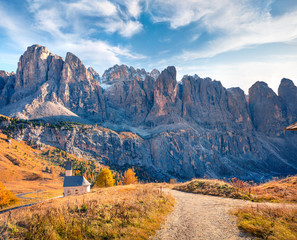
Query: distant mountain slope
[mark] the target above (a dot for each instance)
(186, 129)
(27, 168)
(21, 168)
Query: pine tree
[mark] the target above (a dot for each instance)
(130, 177)
(105, 178)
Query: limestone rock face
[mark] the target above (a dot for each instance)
(119, 73)
(130, 101)
(36, 66)
(7, 81)
(4, 78)
(32, 67)
(94, 74)
(266, 108)
(167, 104)
(208, 104)
(155, 73)
(192, 128)
(79, 91)
(287, 92)
(239, 110)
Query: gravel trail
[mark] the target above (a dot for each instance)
(201, 217)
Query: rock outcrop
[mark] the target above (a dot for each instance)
(192, 128)
(166, 104)
(122, 73)
(287, 92)
(7, 81)
(266, 108)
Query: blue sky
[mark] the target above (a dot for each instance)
(237, 42)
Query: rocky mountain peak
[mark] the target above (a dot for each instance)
(115, 74)
(119, 73)
(94, 73)
(287, 91)
(32, 72)
(74, 70)
(261, 89)
(167, 105)
(286, 86)
(73, 59)
(266, 108)
(155, 73)
(32, 67)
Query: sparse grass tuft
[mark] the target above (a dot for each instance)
(122, 212)
(268, 222)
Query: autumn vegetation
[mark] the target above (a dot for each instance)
(130, 177)
(284, 190)
(6, 197)
(120, 212)
(268, 221)
(105, 178)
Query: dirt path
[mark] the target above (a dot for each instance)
(21, 195)
(202, 217)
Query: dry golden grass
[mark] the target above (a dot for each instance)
(122, 212)
(21, 168)
(268, 222)
(284, 190)
(212, 187)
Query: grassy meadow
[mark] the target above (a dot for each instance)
(120, 212)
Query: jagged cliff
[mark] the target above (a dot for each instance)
(186, 129)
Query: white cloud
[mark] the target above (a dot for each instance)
(73, 16)
(181, 13)
(126, 29)
(268, 30)
(92, 8)
(130, 28)
(235, 24)
(134, 7)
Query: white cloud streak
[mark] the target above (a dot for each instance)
(238, 24)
